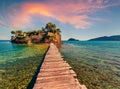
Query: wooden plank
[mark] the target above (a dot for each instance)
(56, 73)
(59, 78)
(55, 65)
(57, 86)
(54, 69)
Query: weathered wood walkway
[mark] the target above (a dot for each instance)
(55, 73)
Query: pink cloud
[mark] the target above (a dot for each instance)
(1, 22)
(74, 12)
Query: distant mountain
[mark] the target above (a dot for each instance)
(73, 39)
(107, 38)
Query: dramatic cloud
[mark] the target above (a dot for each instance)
(74, 12)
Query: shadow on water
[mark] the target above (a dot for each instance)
(31, 84)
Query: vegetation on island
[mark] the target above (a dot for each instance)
(49, 33)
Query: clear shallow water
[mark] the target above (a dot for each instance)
(97, 63)
(18, 63)
(12, 52)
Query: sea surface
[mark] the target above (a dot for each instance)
(97, 63)
(18, 64)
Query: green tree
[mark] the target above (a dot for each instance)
(19, 33)
(50, 27)
(39, 31)
(13, 32)
(58, 31)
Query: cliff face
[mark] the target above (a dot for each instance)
(29, 39)
(37, 38)
(58, 40)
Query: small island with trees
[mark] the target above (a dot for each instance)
(72, 39)
(49, 33)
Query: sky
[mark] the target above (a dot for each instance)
(80, 19)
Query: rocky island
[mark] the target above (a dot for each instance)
(49, 33)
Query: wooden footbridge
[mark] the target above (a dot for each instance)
(55, 73)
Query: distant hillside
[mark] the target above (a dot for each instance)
(107, 38)
(73, 39)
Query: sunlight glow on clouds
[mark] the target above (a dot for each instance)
(74, 12)
(1, 23)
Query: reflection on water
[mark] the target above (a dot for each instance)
(97, 64)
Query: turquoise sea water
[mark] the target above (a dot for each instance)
(97, 63)
(18, 64)
(12, 52)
